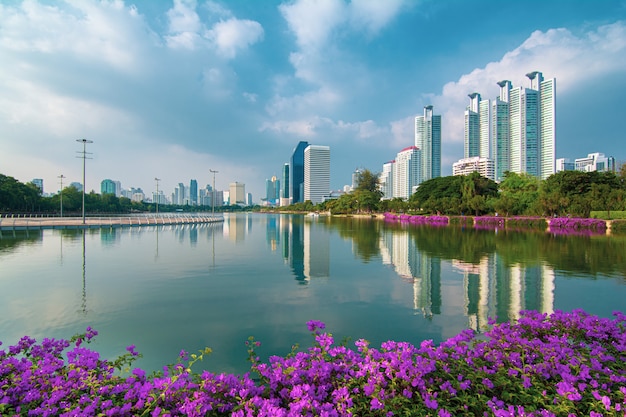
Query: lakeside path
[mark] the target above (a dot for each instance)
(37, 223)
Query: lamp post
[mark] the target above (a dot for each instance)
(61, 193)
(84, 156)
(157, 194)
(213, 197)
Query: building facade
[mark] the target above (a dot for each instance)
(296, 173)
(385, 181)
(237, 193)
(107, 186)
(316, 173)
(517, 130)
(407, 172)
(428, 140)
(484, 166)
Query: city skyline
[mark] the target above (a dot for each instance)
(172, 90)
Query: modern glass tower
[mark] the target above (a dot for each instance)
(428, 140)
(472, 127)
(296, 173)
(316, 173)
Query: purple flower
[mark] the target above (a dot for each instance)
(313, 325)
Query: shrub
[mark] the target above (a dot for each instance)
(618, 226)
(559, 365)
(527, 222)
(576, 223)
(461, 220)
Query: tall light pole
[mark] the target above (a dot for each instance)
(157, 194)
(213, 198)
(61, 193)
(84, 156)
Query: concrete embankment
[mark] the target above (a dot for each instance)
(36, 223)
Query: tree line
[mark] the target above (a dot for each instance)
(566, 193)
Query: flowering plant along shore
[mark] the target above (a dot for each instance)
(564, 364)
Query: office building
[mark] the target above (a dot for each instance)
(428, 141)
(38, 182)
(107, 187)
(407, 172)
(193, 192)
(316, 173)
(284, 195)
(296, 173)
(272, 191)
(237, 193)
(592, 162)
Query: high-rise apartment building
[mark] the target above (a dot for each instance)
(385, 181)
(516, 130)
(316, 173)
(296, 173)
(428, 140)
(237, 193)
(407, 172)
(272, 191)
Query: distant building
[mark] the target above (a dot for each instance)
(407, 171)
(296, 173)
(284, 196)
(272, 191)
(38, 182)
(193, 192)
(592, 162)
(484, 166)
(237, 193)
(77, 185)
(107, 186)
(355, 179)
(249, 199)
(316, 173)
(428, 141)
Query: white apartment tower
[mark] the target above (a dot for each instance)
(407, 172)
(316, 173)
(428, 140)
(386, 180)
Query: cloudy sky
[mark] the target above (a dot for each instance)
(173, 89)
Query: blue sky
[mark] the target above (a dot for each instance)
(172, 89)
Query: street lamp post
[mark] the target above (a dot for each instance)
(213, 197)
(157, 194)
(84, 156)
(61, 193)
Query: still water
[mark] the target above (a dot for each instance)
(167, 288)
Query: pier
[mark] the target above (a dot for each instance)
(12, 223)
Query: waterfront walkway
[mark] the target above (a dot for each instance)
(92, 222)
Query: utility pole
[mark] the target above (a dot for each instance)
(83, 157)
(157, 194)
(213, 198)
(61, 193)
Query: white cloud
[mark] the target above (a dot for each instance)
(312, 21)
(373, 15)
(233, 35)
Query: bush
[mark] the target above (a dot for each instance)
(618, 226)
(559, 365)
(527, 222)
(461, 221)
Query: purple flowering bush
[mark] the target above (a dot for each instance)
(565, 364)
(577, 223)
(415, 219)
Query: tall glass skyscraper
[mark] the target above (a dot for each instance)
(428, 140)
(296, 173)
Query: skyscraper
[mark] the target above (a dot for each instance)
(107, 187)
(407, 172)
(296, 173)
(316, 173)
(284, 196)
(193, 192)
(428, 140)
(237, 193)
(516, 130)
(386, 180)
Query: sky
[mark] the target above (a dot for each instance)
(177, 89)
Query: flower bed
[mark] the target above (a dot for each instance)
(577, 223)
(416, 219)
(566, 364)
(489, 221)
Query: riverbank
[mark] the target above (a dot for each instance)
(38, 223)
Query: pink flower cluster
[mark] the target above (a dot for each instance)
(565, 364)
(414, 219)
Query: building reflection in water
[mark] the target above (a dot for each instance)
(235, 227)
(491, 288)
(306, 248)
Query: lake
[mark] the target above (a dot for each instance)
(185, 287)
